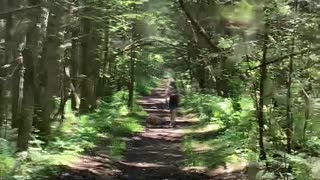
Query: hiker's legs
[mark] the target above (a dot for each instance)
(173, 113)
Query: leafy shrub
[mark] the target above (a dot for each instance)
(219, 110)
(229, 141)
(6, 159)
(144, 86)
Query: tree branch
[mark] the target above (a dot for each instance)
(144, 42)
(19, 10)
(285, 57)
(198, 27)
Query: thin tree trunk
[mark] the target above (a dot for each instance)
(289, 128)
(75, 69)
(307, 107)
(85, 82)
(103, 79)
(132, 72)
(289, 117)
(260, 114)
(131, 82)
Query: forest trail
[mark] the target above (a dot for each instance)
(154, 154)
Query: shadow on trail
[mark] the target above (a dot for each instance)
(93, 166)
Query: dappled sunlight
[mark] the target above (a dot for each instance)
(159, 89)
(91, 163)
(157, 148)
(142, 165)
(205, 128)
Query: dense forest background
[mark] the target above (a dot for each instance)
(249, 67)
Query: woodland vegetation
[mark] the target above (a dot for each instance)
(70, 69)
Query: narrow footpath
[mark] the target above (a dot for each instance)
(155, 154)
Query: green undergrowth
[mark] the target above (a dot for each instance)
(225, 137)
(102, 129)
(144, 86)
(221, 136)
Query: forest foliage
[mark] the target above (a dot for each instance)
(249, 69)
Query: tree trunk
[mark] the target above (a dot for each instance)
(289, 117)
(188, 61)
(307, 112)
(30, 57)
(4, 90)
(3, 103)
(25, 127)
(75, 69)
(90, 45)
(27, 110)
(260, 113)
(132, 71)
(13, 46)
(35, 42)
(52, 54)
(131, 82)
(85, 82)
(103, 79)
(289, 129)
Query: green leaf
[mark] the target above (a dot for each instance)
(133, 16)
(225, 43)
(313, 57)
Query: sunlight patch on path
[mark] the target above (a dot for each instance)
(143, 164)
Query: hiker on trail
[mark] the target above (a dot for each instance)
(172, 94)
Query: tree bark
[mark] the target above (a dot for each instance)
(25, 128)
(13, 47)
(30, 57)
(289, 129)
(4, 89)
(307, 112)
(75, 69)
(106, 59)
(2, 73)
(35, 45)
(260, 114)
(52, 54)
(86, 83)
(132, 70)
(90, 45)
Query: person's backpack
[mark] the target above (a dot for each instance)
(174, 97)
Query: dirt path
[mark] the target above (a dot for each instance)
(155, 153)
